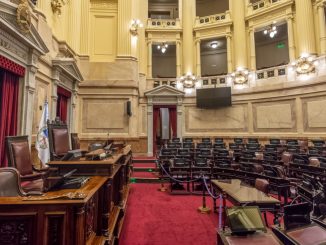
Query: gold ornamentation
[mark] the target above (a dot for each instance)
(240, 76)
(24, 16)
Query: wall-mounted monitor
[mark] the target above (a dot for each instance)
(210, 98)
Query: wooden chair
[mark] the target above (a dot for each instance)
(10, 183)
(58, 139)
(263, 185)
(19, 157)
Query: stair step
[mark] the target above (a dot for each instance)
(145, 180)
(144, 165)
(141, 169)
(144, 175)
(136, 160)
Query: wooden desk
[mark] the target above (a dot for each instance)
(57, 221)
(240, 195)
(258, 238)
(117, 170)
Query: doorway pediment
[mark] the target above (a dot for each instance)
(164, 91)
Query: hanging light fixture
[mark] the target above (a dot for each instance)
(271, 31)
(163, 47)
(214, 44)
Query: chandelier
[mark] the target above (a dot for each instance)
(271, 31)
(163, 47)
(188, 82)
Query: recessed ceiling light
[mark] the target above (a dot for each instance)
(214, 44)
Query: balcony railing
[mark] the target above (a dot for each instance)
(163, 24)
(212, 19)
(261, 4)
(259, 78)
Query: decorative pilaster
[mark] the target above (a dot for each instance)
(54, 94)
(252, 49)
(188, 18)
(305, 27)
(179, 57)
(292, 55)
(124, 21)
(198, 60)
(84, 27)
(239, 33)
(322, 28)
(229, 52)
(73, 111)
(150, 127)
(74, 24)
(149, 59)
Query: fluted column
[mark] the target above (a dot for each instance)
(252, 49)
(178, 51)
(149, 59)
(322, 28)
(84, 27)
(292, 55)
(305, 26)
(229, 52)
(142, 58)
(239, 33)
(124, 22)
(198, 60)
(73, 25)
(188, 17)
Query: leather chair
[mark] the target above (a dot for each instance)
(263, 185)
(206, 140)
(175, 140)
(58, 139)
(275, 141)
(19, 157)
(314, 161)
(10, 183)
(188, 140)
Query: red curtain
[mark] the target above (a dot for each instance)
(62, 103)
(173, 121)
(9, 88)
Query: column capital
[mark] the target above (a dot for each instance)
(289, 16)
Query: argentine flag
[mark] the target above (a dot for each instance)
(42, 139)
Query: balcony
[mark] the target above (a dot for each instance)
(163, 24)
(209, 20)
(262, 5)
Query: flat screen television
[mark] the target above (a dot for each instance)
(210, 98)
(244, 220)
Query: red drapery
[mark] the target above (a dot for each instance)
(173, 121)
(62, 103)
(9, 88)
(157, 124)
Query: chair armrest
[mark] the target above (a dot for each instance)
(34, 193)
(42, 169)
(30, 177)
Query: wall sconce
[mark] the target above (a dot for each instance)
(188, 83)
(240, 76)
(305, 64)
(135, 25)
(56, 6)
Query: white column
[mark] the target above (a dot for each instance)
(149, 59)
(84, 30)
(229, 52)
(54, 94)
(305, 26)
(198, 60)
(322, 28)
(252, 49)
(150, 129)
(292, 55)
(178, 61)
(179, 120)
(188, 18)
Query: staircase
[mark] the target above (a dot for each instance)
(144, 170)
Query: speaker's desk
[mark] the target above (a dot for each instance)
(258, 238)
(117, 170)
(70, 216)
(241, 194)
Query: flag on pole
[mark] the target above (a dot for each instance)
(42, 139)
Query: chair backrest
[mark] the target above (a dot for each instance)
(287, 158)
(75, 142)
(19, 155)
(238, 140)
(175, 140)
(297, 215)
(188, 145)
(262, 185)
(200, 162)
(318, 142)
(183, 152)
(10, 183)
(180, 162)
(275, 141)
(253, 141)
(218, 141)
(188, 140)
(206, 140)
(58, 139)
(314, 161)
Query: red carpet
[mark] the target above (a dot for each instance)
(144, 175)
(144, 165)
(158, 218)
